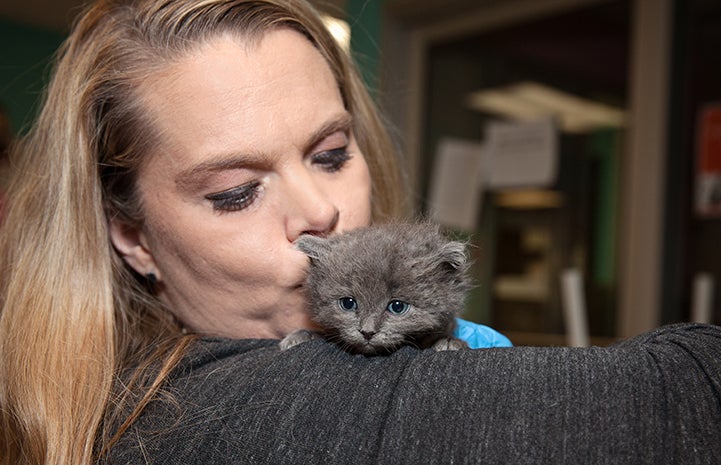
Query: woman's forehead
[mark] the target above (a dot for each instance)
(228, 98)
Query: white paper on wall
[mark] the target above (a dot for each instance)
(522, 154)
(457, 183)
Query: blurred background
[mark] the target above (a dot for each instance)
(575, 143)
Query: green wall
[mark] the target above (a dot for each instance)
(25, 56)
(364, 18)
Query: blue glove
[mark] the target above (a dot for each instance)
(479, 336)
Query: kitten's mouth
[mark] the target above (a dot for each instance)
(372, 349)
(369, 347)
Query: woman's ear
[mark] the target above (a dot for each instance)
(131, 243)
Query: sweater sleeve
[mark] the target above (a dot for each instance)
(652, 399)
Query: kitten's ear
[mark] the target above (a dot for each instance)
(313, 246)
(454, 255)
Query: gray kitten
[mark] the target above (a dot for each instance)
(375, 289)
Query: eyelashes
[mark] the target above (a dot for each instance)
(235, 199)
(241, 197)
(332, 160)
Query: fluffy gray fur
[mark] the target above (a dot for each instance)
(383, 268)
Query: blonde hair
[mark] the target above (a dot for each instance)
(73, 314)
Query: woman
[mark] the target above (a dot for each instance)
(149, 270)
(84, 171)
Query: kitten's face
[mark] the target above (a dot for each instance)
(375, 289)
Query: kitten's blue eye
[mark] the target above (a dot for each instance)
(348, 304)
(398, 307)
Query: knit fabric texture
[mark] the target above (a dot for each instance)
(655, 398)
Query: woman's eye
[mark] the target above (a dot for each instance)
(398, 307)
(236, 198)
(348, 304)
(332, 160)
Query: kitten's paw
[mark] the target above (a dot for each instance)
(297, 337)
(449, 343)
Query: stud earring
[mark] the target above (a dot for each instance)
(152, 279)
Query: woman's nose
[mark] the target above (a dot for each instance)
(309, 209)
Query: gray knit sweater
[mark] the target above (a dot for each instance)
(653, 399)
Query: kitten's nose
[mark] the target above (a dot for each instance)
(368, 334)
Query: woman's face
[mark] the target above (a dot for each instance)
(256, 149)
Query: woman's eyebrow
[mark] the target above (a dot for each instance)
(341, 122)
(196, 176)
